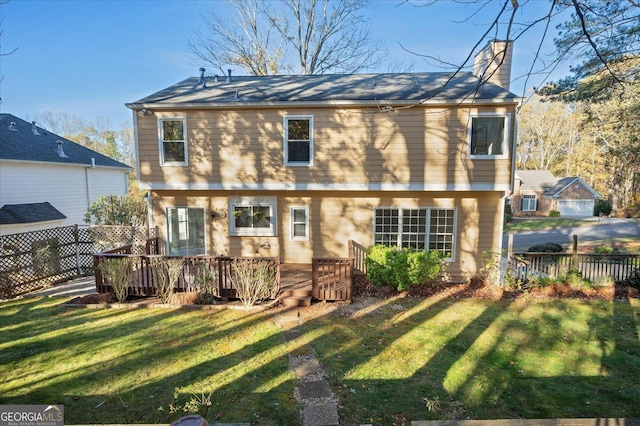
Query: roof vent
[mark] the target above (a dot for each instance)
(12, 126)
(229, 75)
(60, 151)
(202, 80)
(34, 129)
(215, 78)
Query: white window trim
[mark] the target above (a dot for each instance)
(505, 141)
(529, 197)
(285, 144)
(161, 142)
(429, 209)
(247, 201)
(168, 224)
(306, 223)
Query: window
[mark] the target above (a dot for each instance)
(252, 216)
(529, 203)
(298, 141)
(300, 223)
(185, 231)
(422, 228)
(488, 134)
(173, 146)
(442, 231)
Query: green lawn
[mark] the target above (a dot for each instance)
(422, 359)
(133, 366)
(519, 225)
(411, 358)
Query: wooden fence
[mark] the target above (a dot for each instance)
(591, 266)
(37, 259)
(331, 278)
(195, 270)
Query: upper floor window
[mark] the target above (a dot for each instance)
(173, 141)
(488, 136)
(298, 140)
(252, 216)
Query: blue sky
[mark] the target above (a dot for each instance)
(87, 58)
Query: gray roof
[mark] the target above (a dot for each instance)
(535, 180)
(562, 183)
(400, 88)
(11, 214)
(19, 142)
(543, 180)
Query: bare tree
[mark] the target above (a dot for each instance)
(288, 36)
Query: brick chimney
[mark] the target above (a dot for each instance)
(493, 63)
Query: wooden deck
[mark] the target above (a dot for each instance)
(295, 276)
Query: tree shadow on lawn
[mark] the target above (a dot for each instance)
(130, 363)
(421, 359)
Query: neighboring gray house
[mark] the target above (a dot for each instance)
(538, 192)
(47, 180)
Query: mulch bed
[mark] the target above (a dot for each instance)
(477, 289)
(362, 288)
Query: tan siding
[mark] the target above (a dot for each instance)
(412, 145)
(334, 219)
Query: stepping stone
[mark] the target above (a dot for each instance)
(315, 389)
(320, 415)
(304, 366)
(291, 334)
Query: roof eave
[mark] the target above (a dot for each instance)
(333, 103)
(55, 163)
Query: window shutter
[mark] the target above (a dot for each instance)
(521, 204)
(536, 204)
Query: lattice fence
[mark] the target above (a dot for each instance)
(37, 259)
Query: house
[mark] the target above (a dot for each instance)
(47, 180)
(296, 166)
(538, 192)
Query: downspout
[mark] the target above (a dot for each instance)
(514, 148)
(86, 180)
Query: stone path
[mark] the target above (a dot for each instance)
(320, 405)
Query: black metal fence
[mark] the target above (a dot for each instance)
(591, 266)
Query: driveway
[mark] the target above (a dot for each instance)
(608, 229)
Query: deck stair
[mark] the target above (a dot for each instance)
(296, 297)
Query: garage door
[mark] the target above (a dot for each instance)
(575, 207)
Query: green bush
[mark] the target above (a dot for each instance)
(402, 267)
(554, 213)
(546, 248)
(602, 206)
(603, 250)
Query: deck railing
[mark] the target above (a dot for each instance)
(593, 267)
(358, 253)
(331, 278)
(194, 270)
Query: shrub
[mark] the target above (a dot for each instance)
(633, 280)
(402, 267)
(602, 206)
(165, 272)
(118, 273)
(253, 281)
(546, 248)
(554, 213)
(207, 281)
(603, 250)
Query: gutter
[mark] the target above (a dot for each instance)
(308, 104)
